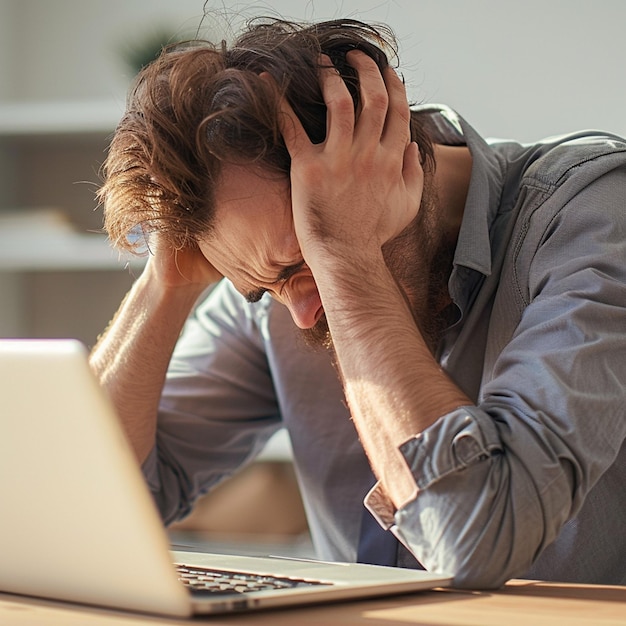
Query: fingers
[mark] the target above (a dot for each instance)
(373, 92)
(384, 113)
(291, 128)
(412, 172)
(398, 122)
(340, 117)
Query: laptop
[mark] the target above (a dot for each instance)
(78, 523)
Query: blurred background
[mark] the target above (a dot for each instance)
(522, 70)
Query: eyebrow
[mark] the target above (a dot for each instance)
(285, 274)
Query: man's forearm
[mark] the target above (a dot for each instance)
(132, 356)
(394, 386)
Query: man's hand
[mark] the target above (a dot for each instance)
(180, 268)
(363, 185)
(351, 194)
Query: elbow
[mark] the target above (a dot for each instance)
(471, 566)
(472, 574)
(479, 565)
(482, 542)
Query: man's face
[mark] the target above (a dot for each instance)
(254, 244)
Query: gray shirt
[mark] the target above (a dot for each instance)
(528, 481)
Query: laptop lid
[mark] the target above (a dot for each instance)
(79, 523)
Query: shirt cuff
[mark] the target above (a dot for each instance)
(380, 506)
(454, 442)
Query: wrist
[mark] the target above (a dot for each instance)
(158, 295)
(166, 282)
(337, 260)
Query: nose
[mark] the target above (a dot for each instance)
(303, 301)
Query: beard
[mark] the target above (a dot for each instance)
(319, 335)
(420, 259)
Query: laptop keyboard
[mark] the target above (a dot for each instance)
(204, 581)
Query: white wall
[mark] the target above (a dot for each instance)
(513, 69)
(7, 21)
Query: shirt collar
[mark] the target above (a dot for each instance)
(473, 253)
(481, 206)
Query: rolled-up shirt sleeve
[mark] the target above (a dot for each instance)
(470, 496)
(486, 502)
(458, 466)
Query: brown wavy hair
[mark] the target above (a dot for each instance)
(199, 105)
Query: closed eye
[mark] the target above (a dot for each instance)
(285, 274)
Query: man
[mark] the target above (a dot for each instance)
(471, 299)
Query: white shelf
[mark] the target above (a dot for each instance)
(24, 119)
(41, 240)
(55, 280)
(67, 253)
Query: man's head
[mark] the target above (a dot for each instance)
(200, 106)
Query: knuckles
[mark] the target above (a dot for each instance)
(377, 102)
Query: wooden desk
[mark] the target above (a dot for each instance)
(520, 603)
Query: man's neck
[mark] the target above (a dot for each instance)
(420, 259)
(451, 182)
